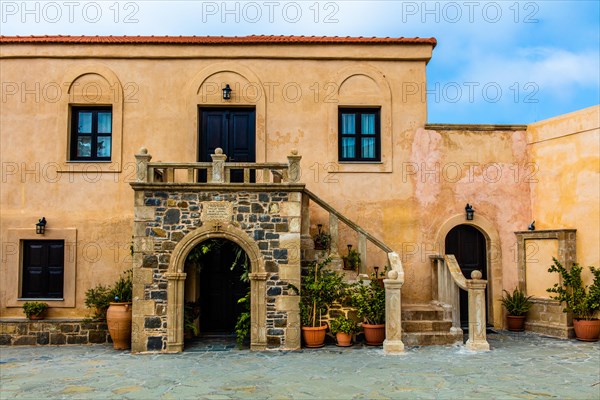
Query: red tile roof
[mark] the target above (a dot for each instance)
(214, 40)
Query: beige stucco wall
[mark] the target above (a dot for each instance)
(409, 200)
(566, 153)
(155, 92)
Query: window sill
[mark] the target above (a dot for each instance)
(363, 167)
(39, 299)
(361, 162)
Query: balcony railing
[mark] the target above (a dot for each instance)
(217, 171)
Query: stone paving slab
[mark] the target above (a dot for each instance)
(520, 366)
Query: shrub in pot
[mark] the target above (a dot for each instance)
(319, 287)
(369, 301)
(517, 305)
(352, 259)
(98, 299)
(322, 239)
(343, 328)
(581, 300)
(34, 309)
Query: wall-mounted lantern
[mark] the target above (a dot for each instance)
(227, 92)
(470, 211)
(40, 227)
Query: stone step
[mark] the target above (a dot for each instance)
(432, 338)
(426, 326)
(423, 312)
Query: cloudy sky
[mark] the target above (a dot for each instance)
(495, 62)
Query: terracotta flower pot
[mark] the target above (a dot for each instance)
(36, 317)
(118, 319)
(314, 337)
(343, 339)
(515, 323)
(374, 334)
(587, 331)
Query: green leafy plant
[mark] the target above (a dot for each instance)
(122, 290)
(319, 287)
(343, 324)
(369, 301)
(516, 304)
(191, 311)
(322, 239)
(352, 259)
(31, 308)
(242, 325)
(98, 299)
(582, 301)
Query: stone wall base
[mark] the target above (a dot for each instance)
(15, 332)
(546, 329)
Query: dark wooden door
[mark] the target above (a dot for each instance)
(468, 246)
(233, 130)
(43, 269)
(220, 290)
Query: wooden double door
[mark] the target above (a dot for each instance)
(231, 129)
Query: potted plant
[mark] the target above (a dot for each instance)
(343, 328)
(517, 305)
(98, 299)
(118, 315)
(369, 301)
(34, 310)
(319, 287)
(583, 301)
(322, 239)
(351, 260)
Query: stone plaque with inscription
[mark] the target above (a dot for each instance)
(216, 211)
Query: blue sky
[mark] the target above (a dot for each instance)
(495, 62)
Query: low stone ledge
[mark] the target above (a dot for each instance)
(552, 330)
(19, 331)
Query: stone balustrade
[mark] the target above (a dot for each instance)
(216, 172)
(447, 281)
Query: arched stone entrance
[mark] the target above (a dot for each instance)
(493, 257)
(176, 282)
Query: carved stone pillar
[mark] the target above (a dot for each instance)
(362, 249)
(393, 316)
(141, 165)
(218, 169)
(294, 172)
(477, 318)
(258, 317)
(306, 242)
(175, 296)
(393, 306)
(333, 231)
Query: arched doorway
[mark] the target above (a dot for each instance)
(468, 245)
(217, 278)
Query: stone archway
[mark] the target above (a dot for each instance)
(176, 282)
(494, 259)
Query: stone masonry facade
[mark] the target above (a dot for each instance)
(53, 332)
(269, 218)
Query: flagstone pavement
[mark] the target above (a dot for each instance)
(519, 366)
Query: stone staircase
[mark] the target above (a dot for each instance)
(422, 324)
(428, 324)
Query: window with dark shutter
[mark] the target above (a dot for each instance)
(43, 269)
